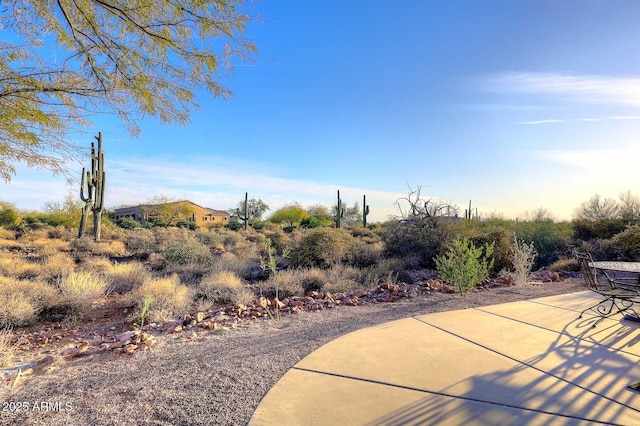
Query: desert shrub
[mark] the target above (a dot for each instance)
(22, 300)
(244, 267)
(551, 240)
(9, 215)
(80, 289)
(280, 240)
(187, 225)
(62, 233)
(16, 266)
(311, 222)
(7, 349)
(7, 234)
(128, 276)
(463, 265)
(565, 264)
(284, 284)
(312, 279)
(83, 247)
(187, 250)
(625, 245)
(141, 243)
(362, 254)
(55, 266)
(602, 229)
(522, 258)
(169, 298)
(422, 241)
(48, 246)
(322, 247)
(341, 286)
(223, 287)
(127, 223)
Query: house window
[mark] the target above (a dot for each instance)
(204, 218)
(224, 218)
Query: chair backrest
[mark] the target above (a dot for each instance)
(589, 273)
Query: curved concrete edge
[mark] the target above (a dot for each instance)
(527, 362)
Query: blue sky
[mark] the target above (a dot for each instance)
(515, 105)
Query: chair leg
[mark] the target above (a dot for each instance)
(606, 310)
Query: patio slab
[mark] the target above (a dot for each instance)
(527, 362)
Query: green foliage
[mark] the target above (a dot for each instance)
(601, 229)
(66, 213)
(252, 212)
(291, 214)
(187, 224)
(321, 213)
(322, 247)
(311, 222)
(463, 265)
(127, 223)
(550, 239)
(625, 245)
(9, 215)
(133, 59)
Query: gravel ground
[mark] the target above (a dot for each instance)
(216, 378)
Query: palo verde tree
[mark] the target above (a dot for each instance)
(62, 62)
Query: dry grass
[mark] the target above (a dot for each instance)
(287, 283)
(80, 289)
(15, 266)
(49, 246)
(224, 287)
(128, 276)
(170, 298)
(55, 266)
(312, 279)
(22, 300)
(7, 350)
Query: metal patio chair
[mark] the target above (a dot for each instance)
(618, 295)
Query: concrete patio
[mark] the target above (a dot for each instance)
(529, 362)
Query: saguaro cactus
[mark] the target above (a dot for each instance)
(339, 212)
(365, 211)
(245, 217)
(94, 196)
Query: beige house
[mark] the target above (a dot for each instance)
(174, 212)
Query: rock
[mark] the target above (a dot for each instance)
(192, 336)
(143, 347)
(129, 349)
(359, 293)
(119, 344)
(176, 329)
(200, 317)
(74, 353)
(127, 335)
(46, 360)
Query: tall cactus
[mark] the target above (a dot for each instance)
(245, 218)
(94, 196)
(365, 211)
(339, 212)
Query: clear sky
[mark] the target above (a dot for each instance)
(513, 104)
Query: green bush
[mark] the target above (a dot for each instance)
(603, 229)
(322, 247)
(551, 240)
(463, 265)
(625, 245)
(416, 239)
(127, 223)
(187, 225)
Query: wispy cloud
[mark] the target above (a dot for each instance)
(587, 120)
(616, 90)
(212, 182)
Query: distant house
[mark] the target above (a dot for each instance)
(174, 212)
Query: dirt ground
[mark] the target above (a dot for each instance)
(218, 377)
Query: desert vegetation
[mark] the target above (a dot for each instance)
(165, 272)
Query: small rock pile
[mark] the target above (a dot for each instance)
(124, 343)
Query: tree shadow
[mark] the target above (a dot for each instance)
(581, 378)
